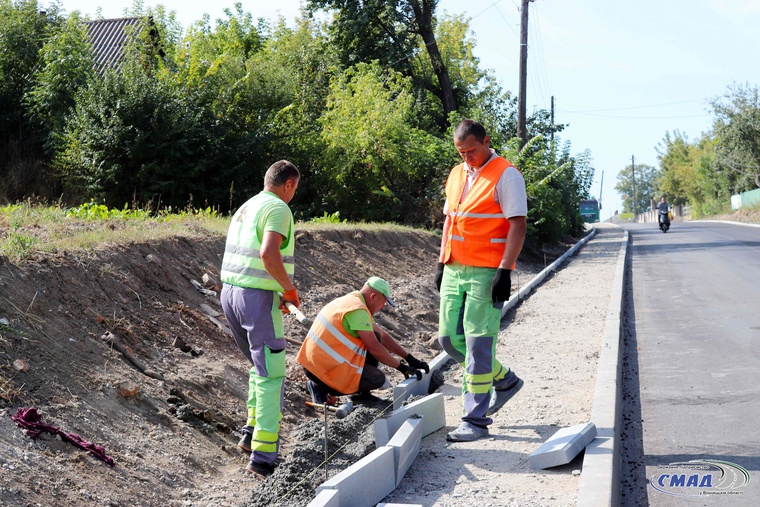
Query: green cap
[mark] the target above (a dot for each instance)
(382, 287)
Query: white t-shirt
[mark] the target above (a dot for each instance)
(510, 190)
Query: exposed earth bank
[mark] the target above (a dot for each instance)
(117, 346)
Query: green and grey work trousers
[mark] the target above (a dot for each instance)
(468, 329)
(255, 320)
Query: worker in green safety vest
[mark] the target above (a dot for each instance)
(257, 267)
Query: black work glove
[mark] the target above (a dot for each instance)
(438, 276)
(408, 371)
(416, 363)
(501, 285)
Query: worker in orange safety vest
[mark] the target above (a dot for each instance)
(344, 346)
(483, 234)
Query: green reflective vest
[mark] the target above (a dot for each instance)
(242, 265)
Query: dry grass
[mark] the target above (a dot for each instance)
(362, 226)
(749, 215)
(27, 229)
(8, 392)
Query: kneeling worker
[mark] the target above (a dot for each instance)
(344, 346)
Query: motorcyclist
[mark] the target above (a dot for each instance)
(663, 209)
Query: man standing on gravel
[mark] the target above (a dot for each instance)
(257, 266)
(483, 234)
(344, 345)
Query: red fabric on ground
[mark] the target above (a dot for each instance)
(29, 419)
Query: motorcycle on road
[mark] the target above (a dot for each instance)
(664, 220)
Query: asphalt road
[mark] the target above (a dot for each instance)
(691, 388)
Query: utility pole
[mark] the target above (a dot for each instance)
(521, 133)
(552, 125)
(633, 179)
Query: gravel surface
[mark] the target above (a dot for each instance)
(552, 341)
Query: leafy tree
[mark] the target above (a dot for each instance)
(305, 61)
(555, 184)
(66, 66)
(677, 177)
(214, 57)
(134, 138)
(163, 33)
(457, 52)
(381, 163)
(199, 119)
(712, 195)
(644, 183)
(23, 31)
(386, 31)
(231, 73)
(737, 128)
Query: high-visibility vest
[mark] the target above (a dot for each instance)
(242, 264)
(478, 232)
(329, 352)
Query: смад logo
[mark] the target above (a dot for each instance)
(700, 477)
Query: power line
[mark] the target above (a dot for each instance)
(636, 107)
(541, 75)
(493, 4)
(636, 117)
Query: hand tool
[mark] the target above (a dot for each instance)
(341, 411)
(295, 311)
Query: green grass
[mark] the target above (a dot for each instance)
(27, 229)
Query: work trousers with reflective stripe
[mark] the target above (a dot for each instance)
(255, 320)
(468, 329)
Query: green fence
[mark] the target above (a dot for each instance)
(746, 199)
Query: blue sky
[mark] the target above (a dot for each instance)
(622, 73)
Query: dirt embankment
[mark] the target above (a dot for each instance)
(169, 418)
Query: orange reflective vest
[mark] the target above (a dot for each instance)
(329, 352)
(478, 230)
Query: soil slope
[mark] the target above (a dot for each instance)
(169, 417)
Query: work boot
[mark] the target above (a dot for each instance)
(245, 441)
(467, 432)
(318, 395)
(507, 383)
(263, 470)
(364, 398)
(503, 392)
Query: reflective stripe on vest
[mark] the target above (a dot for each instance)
(329, 352)
(242, 264)
(478, 229)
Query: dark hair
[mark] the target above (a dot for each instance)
(280, 172)
(467, 128)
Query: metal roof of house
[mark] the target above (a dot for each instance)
(108, 37)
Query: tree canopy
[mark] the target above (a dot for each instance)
(704, 173)
(363, 103)
(637, 181)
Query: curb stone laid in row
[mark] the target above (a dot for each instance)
(398, 437)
